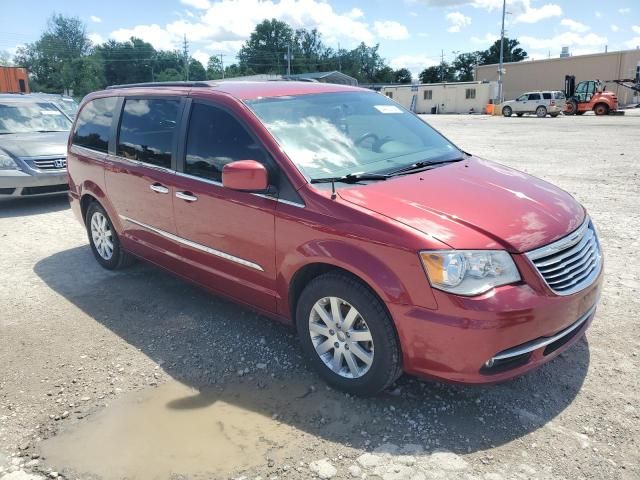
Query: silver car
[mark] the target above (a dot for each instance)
(33, 144)
(549, 102)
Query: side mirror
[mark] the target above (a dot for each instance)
(245, 176)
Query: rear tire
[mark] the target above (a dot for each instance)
(507, 111)
(104, 240)
(571, 108)
(601, 109)
(358, 352)
(554, 115)
(541, 112)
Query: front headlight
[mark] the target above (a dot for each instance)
(7, 163)
(469, 272)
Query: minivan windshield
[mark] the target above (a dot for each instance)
(30, 117)
(337, 134)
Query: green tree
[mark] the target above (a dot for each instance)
(437, 73)
(5, 58)
(214, 68)
(464, 66)
(196, 70)
(511, 52)
(51, 59)
(264, 51)
(132, 61)
(169, 75)
(402, 75)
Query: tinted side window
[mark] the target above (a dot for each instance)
(146, 130)
(93, 127)
(546, 95)
(534, 96)
(214, 139)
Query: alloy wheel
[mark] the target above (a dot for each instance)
(341, 337)
(102, 235)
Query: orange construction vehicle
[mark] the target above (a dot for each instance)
(588, 95)
(14, 80)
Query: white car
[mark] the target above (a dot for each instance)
(549, 102)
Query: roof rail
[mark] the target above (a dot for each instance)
(161, 84)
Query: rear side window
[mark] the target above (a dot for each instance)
(146, 130)
(546, 95)
(559, 95)
(534, 96)
(93, 127)
(214, 139)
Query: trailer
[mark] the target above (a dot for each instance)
(14, 80)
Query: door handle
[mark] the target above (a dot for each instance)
(156, 187)
(187, 196)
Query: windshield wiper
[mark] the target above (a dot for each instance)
(422, 165)
(351, 178)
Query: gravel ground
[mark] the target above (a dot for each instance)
(138, 374)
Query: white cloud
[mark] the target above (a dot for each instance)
(390, 30)
(199, 4)
(614, 28)
(534, 15)
(95, 38)
(522, 10)
(95, 19)
(486, 39)
(636, 28)
(624, 10)
(590, 42)
(227, 46)
(633, 43)
(154, 34)
(413, 14)
(574, 26)
(598, 14)
(414, 63)
(219, 24)
(355, 13)
(201, 56)
(457, 21)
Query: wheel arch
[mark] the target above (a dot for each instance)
(305, 274)
(92, 192)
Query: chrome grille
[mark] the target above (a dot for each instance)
(50, 163)
(571, 263)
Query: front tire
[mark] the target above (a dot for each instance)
(541, 112)
(104, 240)
(347, 335)
(507, 111)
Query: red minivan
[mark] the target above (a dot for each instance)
(335, 210)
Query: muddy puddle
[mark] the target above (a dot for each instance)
(175, 430)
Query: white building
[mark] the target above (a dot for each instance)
(455, 97)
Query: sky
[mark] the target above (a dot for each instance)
(411, 33)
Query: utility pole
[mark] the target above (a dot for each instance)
(442, 66)
(185, 51)
(288, 60)
(339, 58)
(222, 64)
(500, 68)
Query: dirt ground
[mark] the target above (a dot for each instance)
(136, 374)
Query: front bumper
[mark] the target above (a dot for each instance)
(471, 339)
(16, 183)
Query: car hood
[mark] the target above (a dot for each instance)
(474, 204)
(35, 144)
